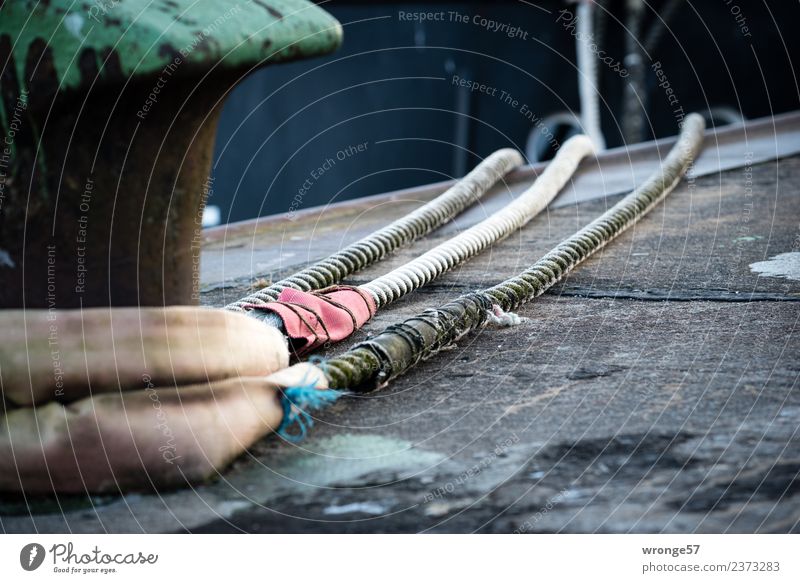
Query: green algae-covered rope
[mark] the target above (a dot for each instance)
(376, 246)
(398, 348)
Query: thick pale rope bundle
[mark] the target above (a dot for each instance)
(376, 246)
(106, 399)
(65, 355)
(314, 319)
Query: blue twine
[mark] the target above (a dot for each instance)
(297, 402)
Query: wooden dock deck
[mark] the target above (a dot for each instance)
(655, 390)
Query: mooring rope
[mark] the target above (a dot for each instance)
(321, 317)
(234, 411)
(374, 362)
(429, 266)
(376, 246)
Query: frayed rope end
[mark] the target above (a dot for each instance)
(504, 319)
(297, 402)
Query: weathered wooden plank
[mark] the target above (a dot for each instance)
(622, 414)
(631, 415)
(283, 243)
(698, 244)
(616, 422)
(610, 412)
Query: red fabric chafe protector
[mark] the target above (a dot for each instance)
(329, 315)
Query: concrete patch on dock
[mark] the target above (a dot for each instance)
(344, 460)
(259, 484)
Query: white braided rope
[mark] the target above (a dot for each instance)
(588, 88)
(376, 246)
(516, 214)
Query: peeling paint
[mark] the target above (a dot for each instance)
(785, 265)
(362, 507)
(74, 24)
(240, 37)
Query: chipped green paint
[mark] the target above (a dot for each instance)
(129, 38)
(92, 72)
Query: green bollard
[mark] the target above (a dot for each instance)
(109, 111)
